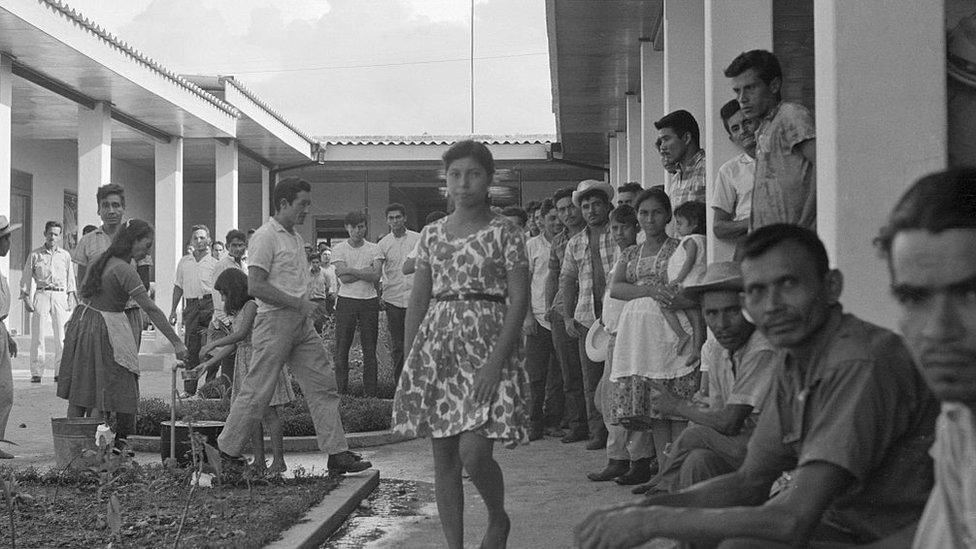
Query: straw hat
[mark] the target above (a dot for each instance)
(589, 185)
(6, 227)
(961, 54)
(722, 276)
(597, 340)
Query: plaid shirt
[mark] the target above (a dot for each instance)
(578, 268)
(687, 184)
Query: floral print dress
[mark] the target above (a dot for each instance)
(434, 396)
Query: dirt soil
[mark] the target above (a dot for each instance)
(72, 514)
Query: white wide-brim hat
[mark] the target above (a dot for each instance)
(6, 227)
(592, 184)
(597, 340)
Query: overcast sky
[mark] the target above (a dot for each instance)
(356, 67)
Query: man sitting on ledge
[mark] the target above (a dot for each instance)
(849, 413)
(741, 364)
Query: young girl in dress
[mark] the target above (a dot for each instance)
(464, 383)
(232, 285)
(689, 221)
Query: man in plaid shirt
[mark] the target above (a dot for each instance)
(588, 262)
(679, 136)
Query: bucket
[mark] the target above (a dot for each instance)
(184, 455)
(72, 435)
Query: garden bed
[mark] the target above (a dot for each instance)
(68, 510)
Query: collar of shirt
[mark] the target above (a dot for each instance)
(770, 115)
(695, 165)
(803, 363)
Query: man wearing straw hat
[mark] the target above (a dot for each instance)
(8, 347)
(740, 362)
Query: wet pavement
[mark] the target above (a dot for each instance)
(394, 506)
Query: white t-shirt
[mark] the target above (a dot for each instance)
(733, 194)
(396, 285)
(362, 257)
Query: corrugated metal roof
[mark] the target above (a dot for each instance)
(523, 139)
(77, 18)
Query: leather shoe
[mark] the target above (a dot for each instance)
(598, 443)
(639, 473)
(575, 436)
(614, 468)
(346, 462)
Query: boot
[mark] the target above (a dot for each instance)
(614, 468)
(598, 442)
(639, 473)
(575, 436)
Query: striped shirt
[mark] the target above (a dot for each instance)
(577, 268)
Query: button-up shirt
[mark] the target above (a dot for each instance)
(578, 268)
(282, 254)
(688, 183)
(857, 402)
(48, 269)
(320, 284)
(538, 250)
(93, 245)
(743, 376)
(732, 194)
(4, 297)
(950, 515)
(195, 277)
(396, 285)
(220, 318)
(786, 182)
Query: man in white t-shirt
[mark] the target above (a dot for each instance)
(358, 264)
(396, 246)
(732, 199)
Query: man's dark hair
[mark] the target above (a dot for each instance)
(354, 218)
(515, 211)
(565, 192)
(682, 122)
(434, 216)
(470, 149)
(235, 234)
(766, 238)
(106, 190)
(935, 203)
(624, 214)
(287, 189)
(49, 224)
(88, 229)
(694, 211)
(397, 207)
(727, 111)
(546, 206)
(203, 228)
(766, 65)
(631, 187)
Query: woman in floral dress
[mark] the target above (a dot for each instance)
(464, 383)
(646, 351)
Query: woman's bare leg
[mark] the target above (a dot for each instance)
(476, 455)
(448, 489)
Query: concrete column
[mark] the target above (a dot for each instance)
(684, 57)
(730, 28)
(169, 217)
(6, 98)
(94, 158)
(881, 124)
(621, 161)
(633, 137)
(614, 174)
(652, 107)
(265, 194)
(225, 162)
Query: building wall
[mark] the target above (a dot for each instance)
(793, 44)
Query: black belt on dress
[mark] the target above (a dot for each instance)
(50, 289)
(471, 297)
(195, 299)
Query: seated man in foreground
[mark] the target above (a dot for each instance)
(930, 244)
(849, 412)
(741, 364)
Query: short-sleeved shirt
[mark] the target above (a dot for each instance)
(120, 284)
(950, 515)
(220, 318)
(538, 250)
(48, 269)
(743, 376)
(91, 246)
(363, 257)
(4, 296)
(196, 277)
(688, 183)
(396, 285)
(557, 251)
(785, 188)
(857, 403)
(282, 254)
(578, 266)
(333, 279)
(319, 284)
(732, 193)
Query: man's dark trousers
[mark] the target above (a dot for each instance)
(349, 314)
(395, 318)
(544, 376)
(197, 314)
(567, 350)
(592, 372)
